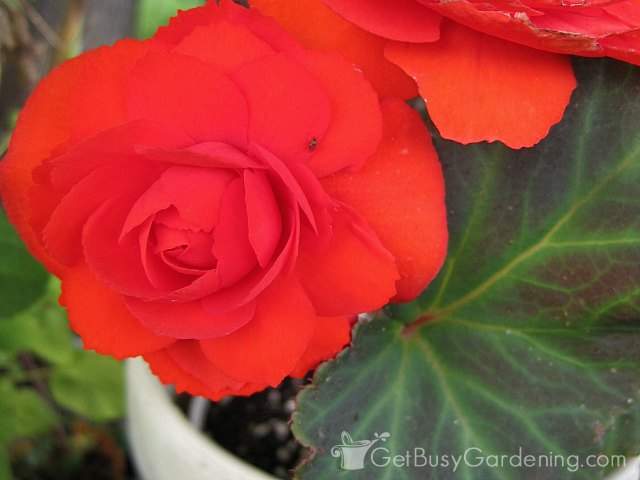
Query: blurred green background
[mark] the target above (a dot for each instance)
(61, 407)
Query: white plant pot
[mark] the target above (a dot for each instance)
(164, 445)
(630, 472)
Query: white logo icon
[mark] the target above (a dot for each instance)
(353, 454)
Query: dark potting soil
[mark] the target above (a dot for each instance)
(256, 428)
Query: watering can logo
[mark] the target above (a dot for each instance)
(353, 453)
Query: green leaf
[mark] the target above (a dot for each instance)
(22, 413)
(155, 13)
(530, 338)
(5, 464)
(42, 329)
(22, 279)
(91, 385)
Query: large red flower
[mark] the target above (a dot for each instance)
(222, 201)
(488, 70)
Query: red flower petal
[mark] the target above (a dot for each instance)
(118, 144)
(332, 334)
(625, 47)
(176, 89)
(481, 88)
(254, 284)
(196, 193)
(188, 320)
(354, 274)
(579, 28)
(400, 193)
(402, 20)
(236, 257)
(100, 317)
(207, 154)
(626, 11)
(215, 15)
(78, 99)
(288, 106)
(159, 273)
(189, 357)
(163, 363)
(263, 215)
(235, 45)
(581, 23)
(289, 180)
(170, 373)
(353, 102)
(332, 33)
(116, 262)
(62, 234)
(269, 347)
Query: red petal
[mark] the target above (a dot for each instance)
(353, 102)
(227, 46)
(579, 28)
(581, 23)
(71, 186)
(625, 47)
(163, 364)
(236, 257)
(254, 284)
(291, 183)
(265, 28)
(288, 106)
(269, 347)
(159, 274)
(195, 192)
(188, 320)
(100, 317)
(480, 88)
(118, 144)
(213, 16)
(189, 357)
(263, 214)
(332, 334)
(78, 99)
(626, 11)
(354, 274)
(62, 234)
(400, 193)
(236, 261)
(177, 89)
(207, 154)
(333, 33)
(402, 20)
(116, 262)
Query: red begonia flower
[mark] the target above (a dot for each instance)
(489, 70)
(222, 201)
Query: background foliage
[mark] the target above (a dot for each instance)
(153, 13)
(48, 383)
